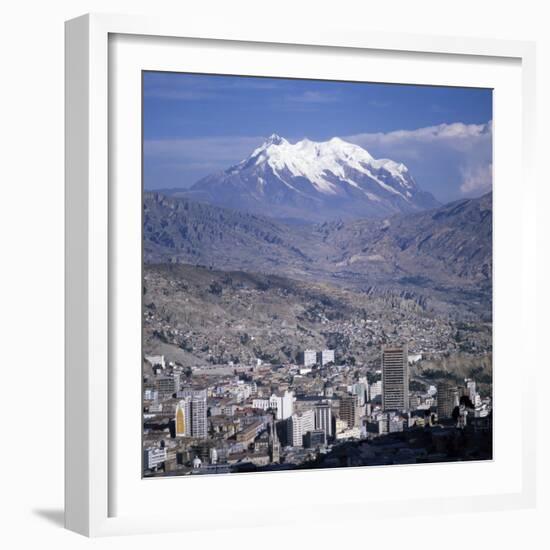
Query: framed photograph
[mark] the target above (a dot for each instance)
(292, 276)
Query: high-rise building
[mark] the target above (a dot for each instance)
(199, 423)
(166, 386)
(375, 389)
(348, 406)
(298, 425)
(283, 404)
(395, 378)
(194, 405)
(325, 356)
(360, 390)
(309, 357)
(323, 418)
(447, 400)
(183, 410)
(274, 445)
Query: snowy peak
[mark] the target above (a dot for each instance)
(314, 180)
(322, 163)
(275, 139)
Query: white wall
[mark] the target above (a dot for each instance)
(31, 293)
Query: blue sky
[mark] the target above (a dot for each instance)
(197, 124)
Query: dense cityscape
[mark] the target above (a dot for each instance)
(314, 414)
(317, 285)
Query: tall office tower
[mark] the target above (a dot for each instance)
(183, 411)
(395, 378)
(360, 390)
(298, 425)
(447, 400)
(199, 423)
(323, 418)
(274, 445)
(348, 406)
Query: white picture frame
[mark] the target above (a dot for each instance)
(93, 239)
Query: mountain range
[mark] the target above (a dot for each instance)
(442, 257)
(313, 181)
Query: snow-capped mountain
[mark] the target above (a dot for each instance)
(315, 181)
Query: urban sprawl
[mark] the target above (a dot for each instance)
(316, 413)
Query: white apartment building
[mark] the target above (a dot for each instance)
(193, 409)
(326, 356)
(376, 389)
(154, 457)
(310, 357)
(284, 405)
(260, 403)
(298, 426)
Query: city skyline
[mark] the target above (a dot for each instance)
(328, 421)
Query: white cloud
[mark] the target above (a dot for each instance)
(477, 179)
(455, 135)
(450, 160)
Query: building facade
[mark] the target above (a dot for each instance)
(298, 426)
(183, 410)
(314, 439)
(283, 404)
(325, 356)
(199, 423)
(360, 389)
(154, 457)
(375, 389)
(323, 418)
(395, 378)
(309, 357)
(348, 410)
(192, 413)
(447, 400)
